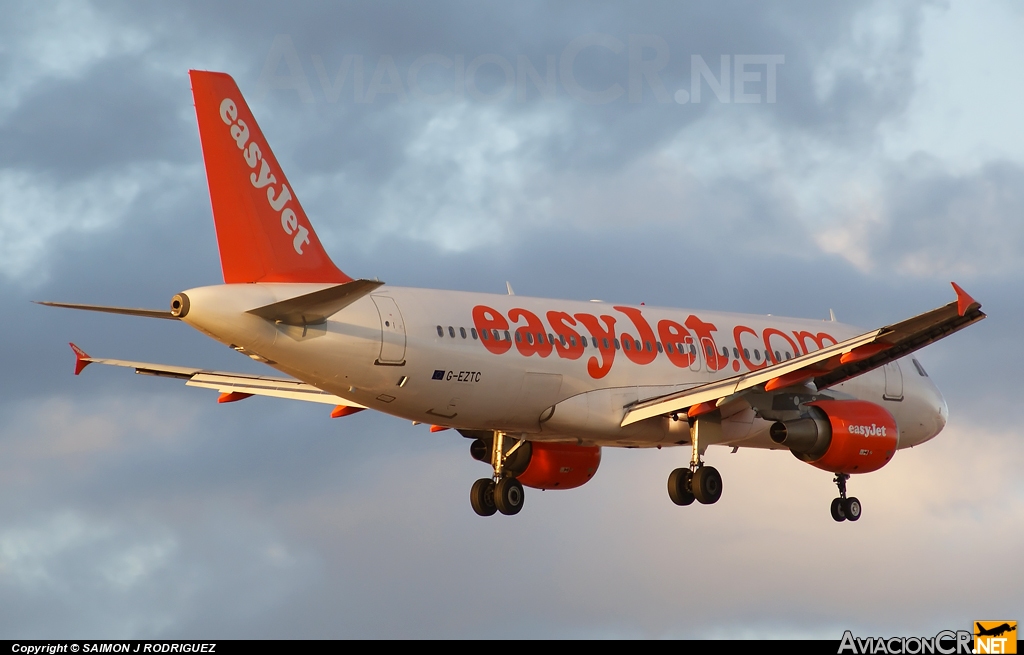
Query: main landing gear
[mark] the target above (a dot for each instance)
(843, 508)
(698, 482)
(502, 492)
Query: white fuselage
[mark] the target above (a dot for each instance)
(394, 351)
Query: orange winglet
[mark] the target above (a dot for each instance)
(438, 428)
(789, 379)
(702, 408)
(345, 410)
(863, 352)
(234, 396)
(81, 358)
(963, 300)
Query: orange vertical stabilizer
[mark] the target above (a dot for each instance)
(262, 232)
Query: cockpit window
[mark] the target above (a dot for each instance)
(917, 365)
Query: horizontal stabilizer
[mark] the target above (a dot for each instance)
(130, 311)
(316, 307)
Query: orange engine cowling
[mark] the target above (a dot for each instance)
(560, 466)
(841, 436)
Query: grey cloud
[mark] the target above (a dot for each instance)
(112, 115)
(954, 222)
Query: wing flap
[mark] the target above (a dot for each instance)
(828, 366)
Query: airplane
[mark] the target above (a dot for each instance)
(538, 385)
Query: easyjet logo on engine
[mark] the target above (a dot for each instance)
(685, 345)
(252, 154)
(867, 430)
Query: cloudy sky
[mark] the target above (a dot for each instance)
(861, 156)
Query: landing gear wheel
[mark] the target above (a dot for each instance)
(851, 508)
(679, 489)
(508, 496)
(707, 485)
(838, 511)
(481, 496)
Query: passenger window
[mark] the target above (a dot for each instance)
(451, 331)
(473, 332)
(440, 331)
(497, 335)
(746, 353)
(462, 331)
(583, 340)
(484, 335)
(708, 351)
(777, 358)
(625, 344)
(757, 355)
(647, 345)
(735, 353)
(668, 347)
(572, 341)
(725, 351)
(519, 337)
(658, 343)
(508, 337)
(616, 343)
(540, 337)
(788, 356)
(605, 342)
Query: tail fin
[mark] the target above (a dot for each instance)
(262, 231)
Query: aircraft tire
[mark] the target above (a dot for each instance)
(481, 497)
(852, 509)
(838, 513)
(679, 487)
(508, 496)
(707, 485)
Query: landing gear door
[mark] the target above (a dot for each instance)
(893, 381)
(392, 332)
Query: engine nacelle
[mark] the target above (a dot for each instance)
(545, 465)
(560, 466)
(841, 436)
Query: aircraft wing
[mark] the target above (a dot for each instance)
(232, 386)
(824, 367)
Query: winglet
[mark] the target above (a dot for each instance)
(963, 301)
(82, 359)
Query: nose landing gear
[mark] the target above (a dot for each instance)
(843, 508)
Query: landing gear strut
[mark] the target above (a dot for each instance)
(698, 482)
(843, 508)
(501, 492)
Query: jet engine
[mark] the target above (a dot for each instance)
(841, 436)
(546, 465)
